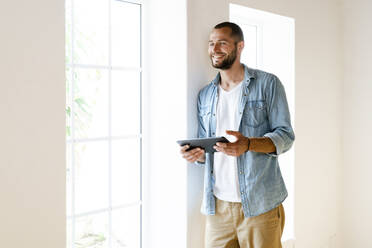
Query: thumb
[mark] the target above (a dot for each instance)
(234, 133)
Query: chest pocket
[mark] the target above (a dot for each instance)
(205, 113)
(255, 114)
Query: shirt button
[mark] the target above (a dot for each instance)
(214, 114)
(212, 133)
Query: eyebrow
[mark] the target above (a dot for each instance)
(219, 40)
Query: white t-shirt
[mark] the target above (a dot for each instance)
(225, 170)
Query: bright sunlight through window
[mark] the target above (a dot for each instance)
(103, 129)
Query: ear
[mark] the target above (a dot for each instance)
(240, 46)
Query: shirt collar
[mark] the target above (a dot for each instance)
(249, 73)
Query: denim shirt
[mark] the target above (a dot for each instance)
(263, 111)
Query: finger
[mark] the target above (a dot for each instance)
(220, 144)
(187, 156)
(187, 152)
(198, 156)
(196, 150)
(194, 156)
(193, 160)
(228, 145)
(191, 153)
(219, 149)
(184, 148)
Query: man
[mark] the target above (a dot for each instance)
(243, 185)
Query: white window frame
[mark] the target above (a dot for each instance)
(259, 28)
(109, 138)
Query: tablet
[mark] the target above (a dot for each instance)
(204, 143)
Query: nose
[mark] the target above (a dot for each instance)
(216, 47)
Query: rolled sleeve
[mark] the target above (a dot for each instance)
(278, 142)
(282, 134)
(199, 163)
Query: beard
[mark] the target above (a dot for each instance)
(227, 62)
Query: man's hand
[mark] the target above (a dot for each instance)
(236, 148)
(196, 154)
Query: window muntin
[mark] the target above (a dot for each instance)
(103, 123)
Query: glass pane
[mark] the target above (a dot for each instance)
(125, 102)
(91, 176)
(90, 103)
(125, 171)
(91, 32)
(68, 28)
(125, 34)
(68, 180)
(249, 56)
(126, 227)
(68, 102)
(69, 234)
(92, 231)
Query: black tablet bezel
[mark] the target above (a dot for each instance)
(204, 143)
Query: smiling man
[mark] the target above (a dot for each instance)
(243, 185)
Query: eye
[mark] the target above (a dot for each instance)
(211, 44)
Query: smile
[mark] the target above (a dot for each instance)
(218, 56)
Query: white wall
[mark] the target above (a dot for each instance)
(165, 98)
(32, 102)
(32, 126)
(357, 184)
(318, 57)
(200, 22)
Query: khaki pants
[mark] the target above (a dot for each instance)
(229, 229)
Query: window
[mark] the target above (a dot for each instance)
(269, 46)
(104, 127)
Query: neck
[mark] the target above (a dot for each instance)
(233, 76)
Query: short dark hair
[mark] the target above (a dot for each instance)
(236, 31)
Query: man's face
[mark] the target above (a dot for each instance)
(222, 48)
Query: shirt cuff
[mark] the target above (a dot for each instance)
(199, 163)
(277, 140)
